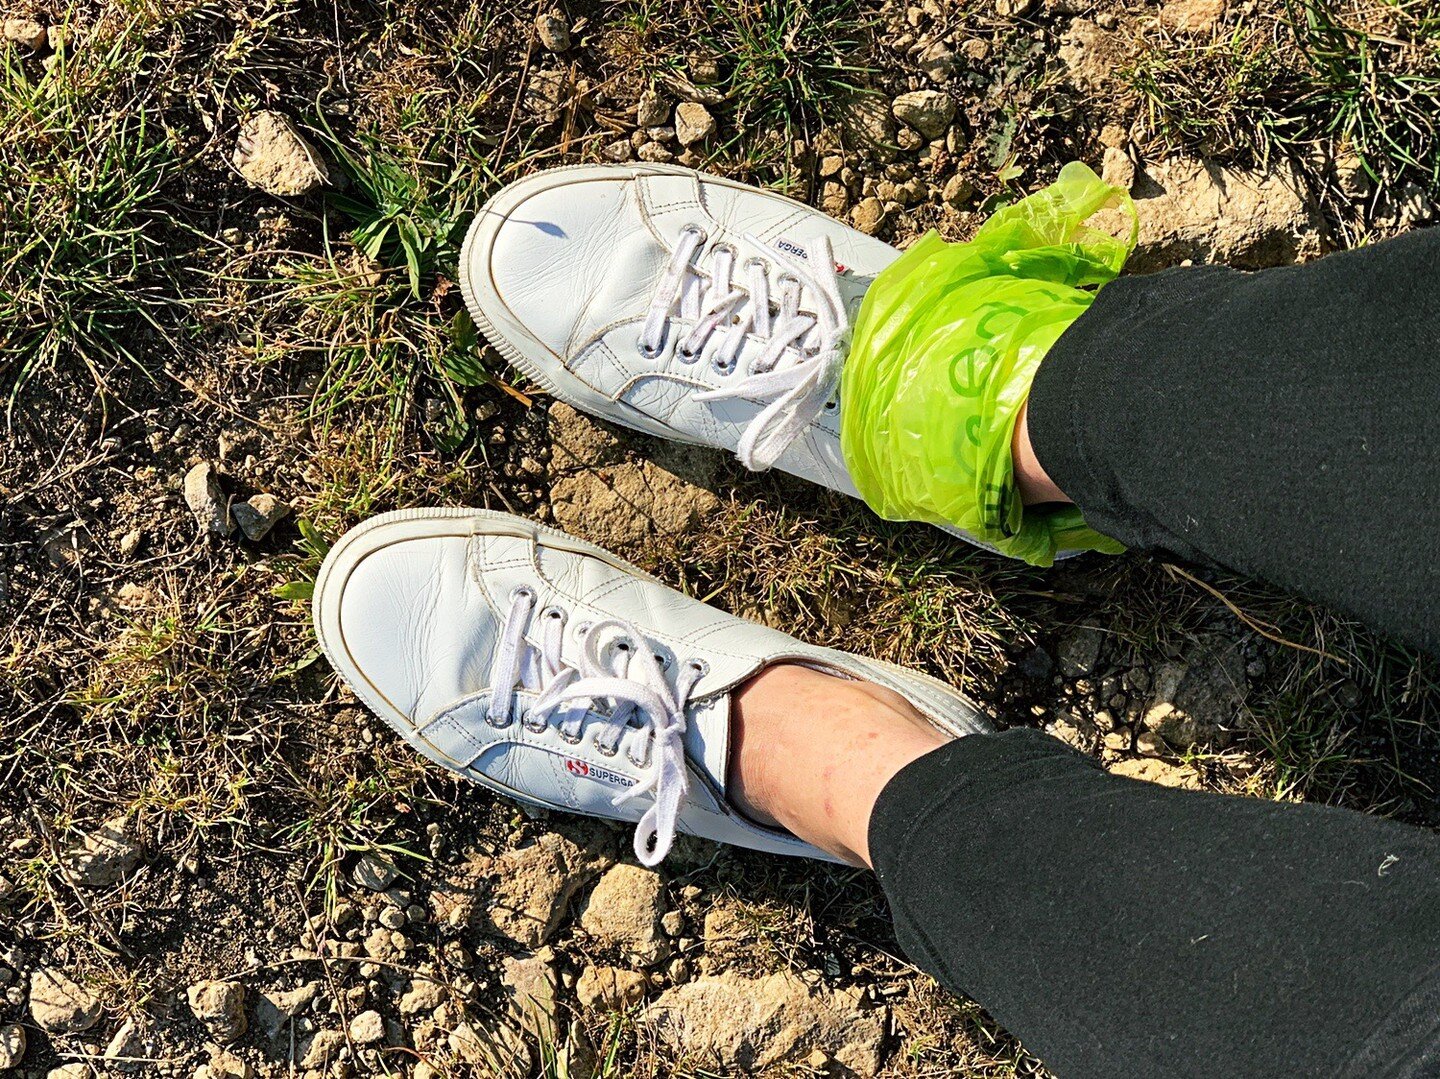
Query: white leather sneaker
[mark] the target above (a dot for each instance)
(547, 669)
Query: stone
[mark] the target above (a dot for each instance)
(868, 215)
(1116, 168)
(129, 1048)
(423, 997)
(375, 872)
(547, 92)
(323, 1049)
(1192, 16)
(367, 1028)
(276, 1007)
(258, 514)
(610, 989)
(834, 198)
(754, 1024)
(533, 887)
(220, 1008)
(704, 70)
(652, 110)
(206, 500)
(1092, 55)
(553, 30)
(26, 32)
(59, 1004)
(958, 192)
(619, 152)
(867, 125)
(130, 542)
(12, 1046)
(600, 495)
(70, 1071)
(107, 855)
(938, 62)
(1194, 697)
(226, 1065)
(1079, 651)
(1198, 210)
(1151, 770)
(1013, 9)
(927, 111)
(693, 123)
(532, 987)
(624, 910)
(272, 155)
(656, 153)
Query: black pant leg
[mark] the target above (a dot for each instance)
(1284, 424)
(1119, 928)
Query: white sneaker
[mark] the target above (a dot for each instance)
(547, 669)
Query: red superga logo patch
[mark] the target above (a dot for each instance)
(586, 770)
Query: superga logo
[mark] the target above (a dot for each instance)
(586, 770)
(792, 249)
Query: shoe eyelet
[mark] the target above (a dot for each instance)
(787, 278)
(636, 761)
(754, 261)
(522, 591)
(569, 739)
(582, 628)
(553, 612)
(722, 368)
(699, 666)
(831, 406)
(695, 230)
(662, 659)
(604, 750)
(499, 725)
(535, 728)
(623, 645)
(723, 246)
(687, 355)
(648, 353)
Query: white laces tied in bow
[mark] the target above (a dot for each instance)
(642, 701)
(798, 367)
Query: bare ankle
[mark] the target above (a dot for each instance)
(1031, 479)
(811, 753)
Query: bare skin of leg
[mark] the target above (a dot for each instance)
(1030, 479)
(810, 752)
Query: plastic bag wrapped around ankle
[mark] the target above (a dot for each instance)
(944, 350)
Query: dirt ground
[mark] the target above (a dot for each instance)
(227, 284)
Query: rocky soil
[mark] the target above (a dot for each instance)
(214, 864)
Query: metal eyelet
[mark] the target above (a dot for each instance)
(535, 728)
(723, 246)
(604, 750)
(831, 406)
(636, 761)
(782, 279)
(623, 645)
(696, 231)
(552, 612)
(687, 355)
(699, 666)
(499, 725)
(572, 740)
(722, 368)
(754, 261)
(663, 660)
(522, 591)
(649, 354)
(582, 628)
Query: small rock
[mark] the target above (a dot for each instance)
(272, 155)
(938, 62)
(704, 70)
(927, 111)
(868, 125)
(422, 998)
(1192, 16)
(610, 989)
(57, 37)
(546, 95)
(70, 1071)
(258, 514)
(620, 151)
(107, 855)
(26, 32)
(656, 153)
(693, 123)
(324, 1049)
(673, 922)
(207, 501)
(277, 1007)
(652, 110)
(553, 30)
(1079, 651)
(755, 1024)
(868, 215)
(958, 192)
(1093, 55)
(220, 1007)
(130, 542)
(367, 1028)
(624, 910)
(1012, 9)
(127, 1049)
(1156, 771)
(226, 1065)
(532, 987)
(12, 1046)
(374, 872)
(59, 1005)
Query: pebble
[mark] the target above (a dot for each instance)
(207, 501)
(258, 514)
(272, 155)
(553, 31)
(26, 32)
(652, 110)
(220, 1008)
(374, 872)
(868, 215)
(12, 1046)
(928, 111)
(367, 1028)
(693, 123)
(59, 1004)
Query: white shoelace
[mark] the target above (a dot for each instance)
(797, 369)
(642, 705)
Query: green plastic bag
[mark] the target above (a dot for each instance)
(943, 353)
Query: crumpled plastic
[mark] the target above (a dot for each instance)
(944, 350)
